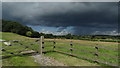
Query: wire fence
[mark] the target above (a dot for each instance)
(93, 53)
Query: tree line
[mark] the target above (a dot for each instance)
(16, 27)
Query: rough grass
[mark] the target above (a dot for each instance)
(16, 60)
(20, 61)
(69, 60)
(57, 56)
(107, 44)
(12, 36)
(84, 45)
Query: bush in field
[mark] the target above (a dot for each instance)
(68, 36)
(35, 34)
(29, 33)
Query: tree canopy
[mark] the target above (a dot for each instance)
(15, 27)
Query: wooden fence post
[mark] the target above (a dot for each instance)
(41, 43)
(54, 44)
(96, 54)
(43, 46)
(71, 47)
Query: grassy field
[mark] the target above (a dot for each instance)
(68, 60)
(19, 61)
(16, 60)
(12, 36)
(103, 58)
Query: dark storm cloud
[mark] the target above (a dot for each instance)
(0, 10)
(95, 31)
(82, 16)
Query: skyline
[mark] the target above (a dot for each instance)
(79, 18)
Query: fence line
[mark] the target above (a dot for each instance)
(42, 47)
(85, 51)
(67, 43)
(87, 58)
(89, 45)
(86, 45)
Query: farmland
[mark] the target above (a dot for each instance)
(83, 49)
(17, 60)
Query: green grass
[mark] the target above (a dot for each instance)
(57, 56)
(69, 60)
(16, 60)
(88, 48)
(102, 40)
(103, 58)
(12, 36)
(20, 61)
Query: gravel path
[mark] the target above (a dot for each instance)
(47, 61)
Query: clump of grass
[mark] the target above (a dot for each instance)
(69, 60)
(19, 61)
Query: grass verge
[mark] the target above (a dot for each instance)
(20, 61)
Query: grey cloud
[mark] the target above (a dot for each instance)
(95, 31)
(61, 29)
(60, 0)
(83, 15)
(0, 10)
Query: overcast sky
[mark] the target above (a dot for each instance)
(80, 18)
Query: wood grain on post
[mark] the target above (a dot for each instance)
(97, 53)
(41, 40)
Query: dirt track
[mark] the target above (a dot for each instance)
(47, 61)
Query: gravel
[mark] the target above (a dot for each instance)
(47, 61)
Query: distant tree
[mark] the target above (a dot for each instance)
(15, 27)
(93, 37)
(35, 34)
(29, 33)
(42, 34)
(48, 35)
(68, 36)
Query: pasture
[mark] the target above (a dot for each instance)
(66, 51)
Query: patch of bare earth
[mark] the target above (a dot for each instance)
(46, 61)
